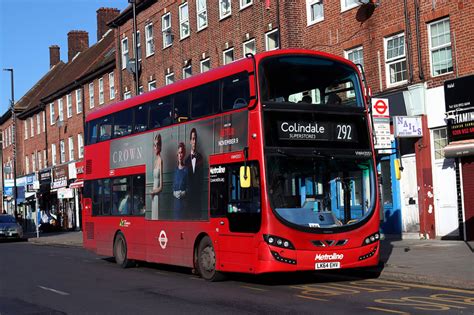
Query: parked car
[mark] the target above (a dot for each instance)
(9, 227)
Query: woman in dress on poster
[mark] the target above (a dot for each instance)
(157, 177)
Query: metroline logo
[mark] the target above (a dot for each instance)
(333, 256)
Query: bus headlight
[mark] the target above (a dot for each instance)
(278, 241)
(371, 239)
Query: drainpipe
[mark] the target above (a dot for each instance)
(421, 74)
(408, 41)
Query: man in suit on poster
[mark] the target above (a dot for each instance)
(194, 163)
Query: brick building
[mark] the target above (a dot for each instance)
(408, 49)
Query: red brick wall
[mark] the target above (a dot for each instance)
(468, 185)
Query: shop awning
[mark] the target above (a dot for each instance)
(459, 149)
(77, 184)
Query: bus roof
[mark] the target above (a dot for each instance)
(203, 78)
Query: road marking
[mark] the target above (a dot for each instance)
(252, 288)
(422, 286)
(53, 290)
(311, 298)
(386, 310)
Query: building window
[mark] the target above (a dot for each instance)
(26, 129)
(249, 47)
(150, 43)
(356, 55)
(225, 8)
(125, 56)
(395, 60)
(111, 86)
(27, 165)
(245, 3)
(32, 127)
(349, 4)
(205, 65)
(101, 91)
(201, 11)
(62, 150)
(166, 29)
(127, 95)
(187, 72)
(183, 21)
(80, 145)
(33, 163)
(78, 101)
(91, 95)
(53, 153)
(40, 162)
(60, 110)
(272, 41)
(51, 114)
(228, 56)
(140, 90)
(314, 11)
(152, 85)
(44, 159)
(44, 121)
(69, 105)
(38, 124)
(440, 140)
(71, 148)
(440, 47)
(169, 78)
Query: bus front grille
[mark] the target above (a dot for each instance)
(90, 230)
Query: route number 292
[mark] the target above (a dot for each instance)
(344, 132)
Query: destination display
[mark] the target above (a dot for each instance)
(317, 131)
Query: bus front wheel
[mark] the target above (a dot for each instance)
(206, 262)
(120, 251)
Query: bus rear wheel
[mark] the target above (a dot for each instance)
(206, 262)
(120, 251)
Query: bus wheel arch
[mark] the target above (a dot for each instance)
(205, 259)
(120, 251)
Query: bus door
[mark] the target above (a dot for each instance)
(235, 207)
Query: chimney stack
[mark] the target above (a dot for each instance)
(54, 55)
(77, 42)
(104, 16)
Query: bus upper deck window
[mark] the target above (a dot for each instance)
(235, 91)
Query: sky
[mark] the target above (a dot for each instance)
(29, 27)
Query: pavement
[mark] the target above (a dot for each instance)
(430, 262)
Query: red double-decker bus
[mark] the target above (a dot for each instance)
(262, 165)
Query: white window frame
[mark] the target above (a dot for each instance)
(26, 129)
(127, 95)
(33, 162)
(439, 140)
(111, 85)
(245, 3)
(184, 21)
(440, 47)
(60, 110)
(201, 12)
(203, 62)
(139, 46)
(149, 41)
(152, 85)
(44, 159)
(44, 120)
(27, 165)
(395, 60)
(53, 153)
(166, 30)
(169, 78)
(267, 37)
(91, 95)
(40, 161)
(345, 7)
(38, 124)
(187, 71)
(52, 114)
(245, 48)
(62, 151)
(224, 14)
(224, 56)
(347, 54)
(79, 101)
(101, 91)
(70, 143)
(69, 105)
(80, 146)
(125, 54)
(32, 127)
(309, 6)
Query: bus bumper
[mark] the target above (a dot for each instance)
(275, 259)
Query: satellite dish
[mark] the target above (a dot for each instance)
(365, 11)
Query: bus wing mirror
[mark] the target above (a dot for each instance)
(245, 177)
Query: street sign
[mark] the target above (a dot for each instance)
(380, 107)
(407, 127)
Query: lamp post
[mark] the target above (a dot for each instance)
(135, 45)
(12, 108)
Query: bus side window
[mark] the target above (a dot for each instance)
(160, 112)
(205, 100)
(92, 132)
(140, 118)
(105, 128)
(181, 107)
(138, 188)
(235, 91)
(121, 196)
(123, 123)
(96, 196)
